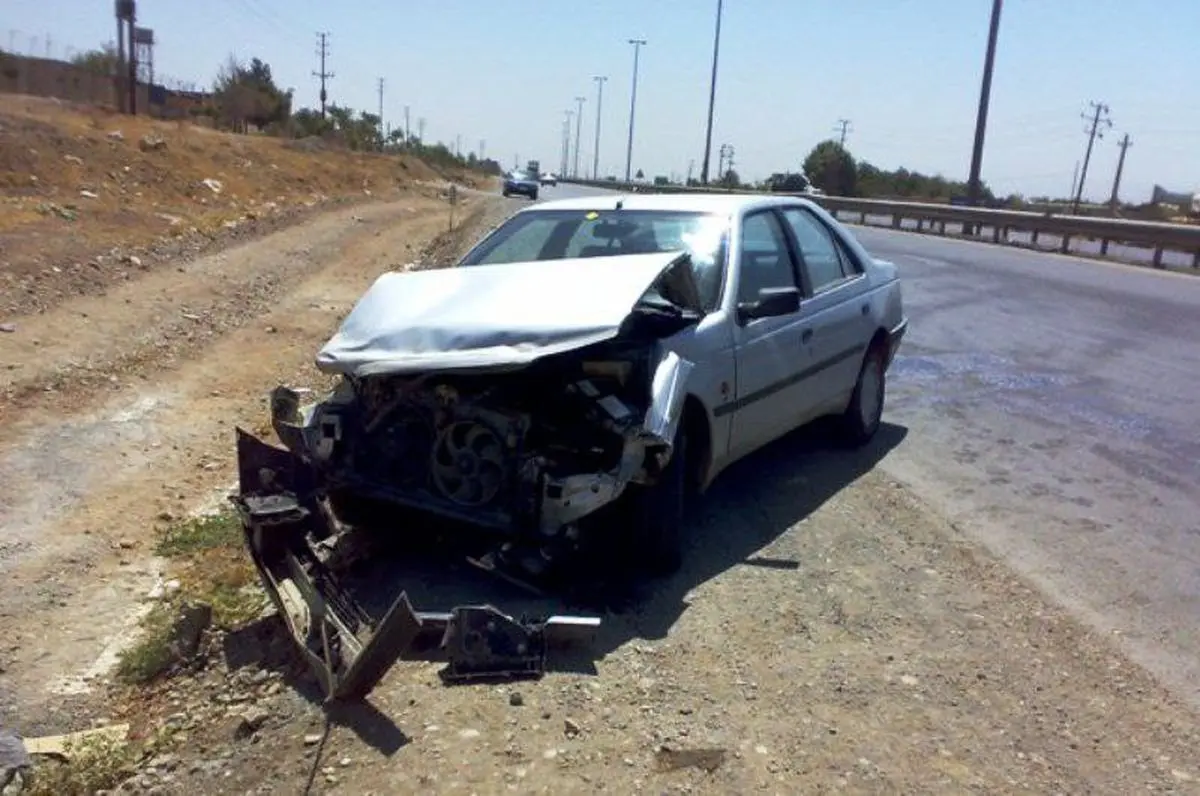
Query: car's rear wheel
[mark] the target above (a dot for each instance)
(865, 412)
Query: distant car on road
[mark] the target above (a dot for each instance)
(520, 183)
(549, 179)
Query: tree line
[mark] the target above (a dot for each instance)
(831, 168)
(245, 98)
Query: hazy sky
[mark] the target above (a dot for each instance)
(905, 72)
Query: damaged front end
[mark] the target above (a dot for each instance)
(527, 445)
(294, 542)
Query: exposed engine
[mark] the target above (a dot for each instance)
(536, 449)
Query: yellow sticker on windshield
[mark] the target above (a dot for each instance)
(592, 216)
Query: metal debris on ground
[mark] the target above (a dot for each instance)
(293, 543)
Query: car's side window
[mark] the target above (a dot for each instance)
(764, 258)
(820, 254)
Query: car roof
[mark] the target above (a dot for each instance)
(718, 203)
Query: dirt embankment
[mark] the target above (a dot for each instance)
(90, 198)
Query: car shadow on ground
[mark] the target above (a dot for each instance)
(747, 508)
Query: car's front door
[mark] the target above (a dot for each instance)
(771, 353)
(835, 309)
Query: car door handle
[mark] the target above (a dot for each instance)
(806, 336)
(866, 309)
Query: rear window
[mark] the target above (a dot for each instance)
(563, 234)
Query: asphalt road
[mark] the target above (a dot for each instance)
(1050, 403)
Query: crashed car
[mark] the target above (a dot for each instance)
(585, 353)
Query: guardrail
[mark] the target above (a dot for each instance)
(1158, 244)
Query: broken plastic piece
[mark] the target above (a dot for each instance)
(348, 649)
(482, 642)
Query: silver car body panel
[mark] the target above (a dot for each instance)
(758, 381)
(489, 316)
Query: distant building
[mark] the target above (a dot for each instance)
(1185, 201)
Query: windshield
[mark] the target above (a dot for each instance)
(562, 234)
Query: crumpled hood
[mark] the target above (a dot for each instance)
(491, 316)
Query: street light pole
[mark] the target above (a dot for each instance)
(578, 126)
(564, 171)
(712, 98)
(596, 149)
(637, 47)
(974, 189)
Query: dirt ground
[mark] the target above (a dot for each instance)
(829, 630)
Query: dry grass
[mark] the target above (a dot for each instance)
(213, 569)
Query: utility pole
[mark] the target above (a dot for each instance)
(565, 171)
(724, 161)
(323, 75)
(381, 139)
(421, 129)
(844, 126)
(482, 144)
(127, 10)
(458, 145)
(637, 48)
(118, 81)
(712, 98)
(974, 187)
(599, 101)
(1099, 109)
(578, 127)
(407, 130)
(1114, 201)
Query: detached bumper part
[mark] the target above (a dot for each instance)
(287, 533)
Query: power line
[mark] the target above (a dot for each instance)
(844, 126)
(1099, 116)
(323, 75)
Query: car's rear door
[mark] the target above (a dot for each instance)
(771, 354)
(835, 308)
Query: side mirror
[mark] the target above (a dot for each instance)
(772, 302)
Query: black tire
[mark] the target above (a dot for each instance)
(865, 412)
(534, 196)
(660, 513)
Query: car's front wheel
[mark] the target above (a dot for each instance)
(865, 412)
(660, 513)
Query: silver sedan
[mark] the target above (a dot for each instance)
(796, 319)
(609, 350)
